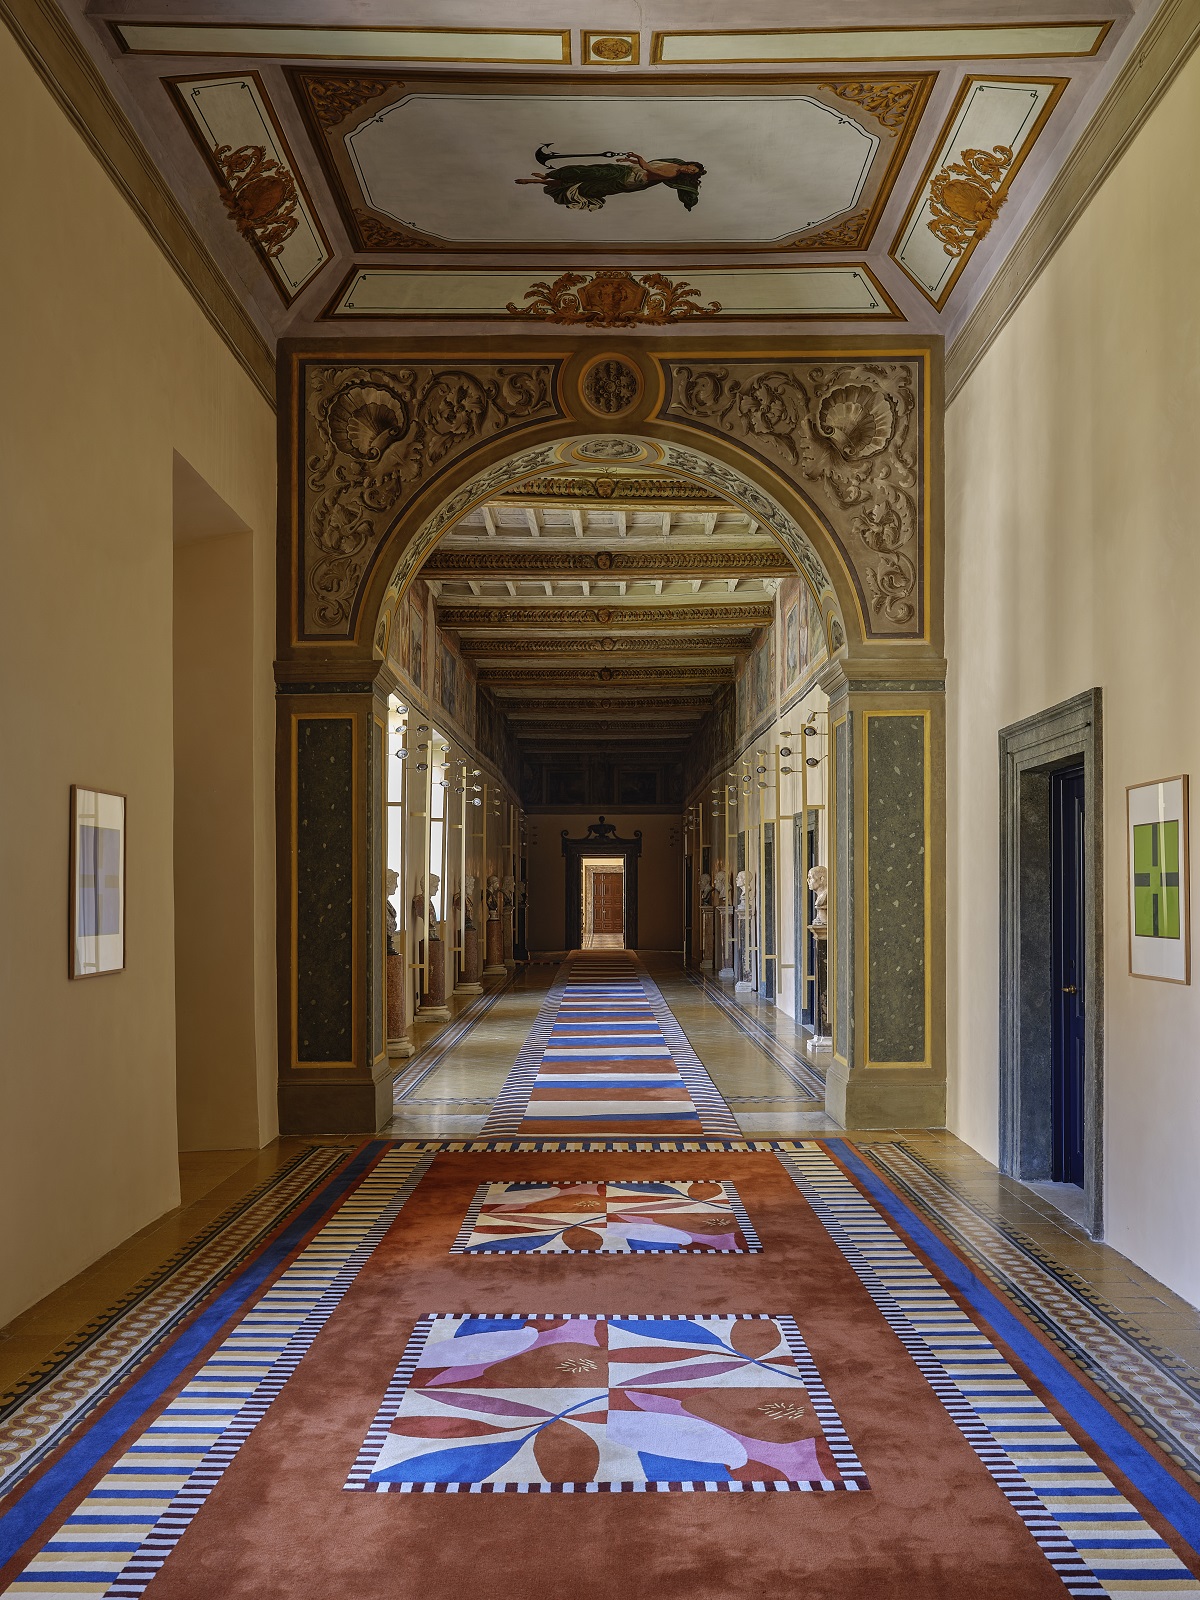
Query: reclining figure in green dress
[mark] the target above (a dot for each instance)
(586, 186)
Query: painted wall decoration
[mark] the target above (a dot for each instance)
(1159, 909)
(791, 664)
(763, 672)
(416, 642)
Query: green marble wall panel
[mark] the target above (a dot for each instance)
(324, 889)
(843, 875)
(896, 846)
(376, 779)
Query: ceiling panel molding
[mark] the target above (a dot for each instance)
(485, 46)
(847, 292)
(487, 132)
(982, 41)
(235, 127)
(992, 126)
(69, 73)
(1167, 45)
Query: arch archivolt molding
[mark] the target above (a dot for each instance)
(828, 448)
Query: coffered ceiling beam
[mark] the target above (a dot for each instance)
(646, 645)
(538, 562)
(750, 613)
(502, 677)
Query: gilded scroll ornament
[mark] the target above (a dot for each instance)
(888, 103)
(333, 96)
(259, 194)
(612, 298)
(378, 235)
(851, 430)
(846, 235)
(964, 198)
(374, 434)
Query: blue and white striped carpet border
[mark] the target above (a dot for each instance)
(118, 1537)
(1093, 1537)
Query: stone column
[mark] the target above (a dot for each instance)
(334, 1073)
(887, 960)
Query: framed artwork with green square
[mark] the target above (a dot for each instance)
(1159, 931)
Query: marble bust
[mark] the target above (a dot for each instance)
(818, 882)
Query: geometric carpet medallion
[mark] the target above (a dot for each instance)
(582, 1404)
(682, 1217)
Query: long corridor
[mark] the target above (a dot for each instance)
(467, 1315)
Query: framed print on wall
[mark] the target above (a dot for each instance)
(97, 907)
(1159, 931)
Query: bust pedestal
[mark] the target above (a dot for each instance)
(822, 1039)
(397, 1044)
(469, 982)
(495, 950)
(433, 1005)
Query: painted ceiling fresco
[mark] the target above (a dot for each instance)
(406, 169)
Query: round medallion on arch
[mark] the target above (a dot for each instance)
(610, 386)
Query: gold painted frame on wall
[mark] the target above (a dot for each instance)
(96, 884)
(1159, 805)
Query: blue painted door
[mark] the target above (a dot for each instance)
(1067, 998)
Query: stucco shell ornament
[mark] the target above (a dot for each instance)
(859, 422)
(365, 420)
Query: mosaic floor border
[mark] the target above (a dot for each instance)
(1158, 1389)
(428, 1059)
(38, 1412)
(809, 1079)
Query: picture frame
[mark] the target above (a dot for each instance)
(1159, 905)
(96, 896)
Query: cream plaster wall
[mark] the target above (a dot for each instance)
(1073, 474)
(216, 1034)
(109, 367)
(660, 875)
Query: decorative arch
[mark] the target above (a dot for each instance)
(829, 446)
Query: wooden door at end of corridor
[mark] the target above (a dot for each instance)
(608, 902)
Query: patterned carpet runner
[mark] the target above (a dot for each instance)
(606, 1056)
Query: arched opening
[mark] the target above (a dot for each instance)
(789, 807)
(610, 628)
